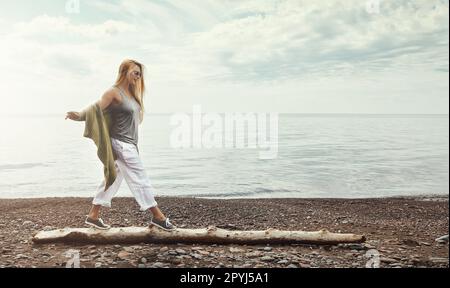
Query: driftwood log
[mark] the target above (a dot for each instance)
(210, 235)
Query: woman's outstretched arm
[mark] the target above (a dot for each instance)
(103, 103)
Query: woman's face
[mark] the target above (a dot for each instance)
(134, 75)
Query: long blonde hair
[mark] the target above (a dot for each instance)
(138, 90)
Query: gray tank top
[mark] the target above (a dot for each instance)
(125, 119)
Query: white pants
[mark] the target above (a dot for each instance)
(128, 166)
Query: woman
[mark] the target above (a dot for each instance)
(124, 102)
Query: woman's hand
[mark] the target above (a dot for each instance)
(103, 103)
(73, 116)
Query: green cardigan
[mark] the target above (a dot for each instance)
(97, 125)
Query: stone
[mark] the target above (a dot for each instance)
(196, 256)
(22, 256)
(303, 260)
(292, 266)
(253, 254)
(266, 258)
(236, 250)
(410, 242)
(128, 249)
(304, 265)
(388, 260)
(442, 239)
(369, 246)
(123, 255)
(177, 260)
(357, 247)
(158, 265)
(439, 260)
(180, 251)
(28, 224)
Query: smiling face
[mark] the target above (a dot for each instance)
(134, 75)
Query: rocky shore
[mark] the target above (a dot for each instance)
(401, 232)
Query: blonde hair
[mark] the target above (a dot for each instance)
(138, 90)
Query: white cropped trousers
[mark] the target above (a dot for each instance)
(129, 167)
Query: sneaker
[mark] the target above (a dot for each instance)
(164, 224)
(96, 223)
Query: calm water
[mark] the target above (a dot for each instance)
(319, 156)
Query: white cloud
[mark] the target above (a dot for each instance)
(243, 44)
(269, 40)
(62, 27)
(296, 37)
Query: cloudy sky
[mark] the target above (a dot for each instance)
(306, 56)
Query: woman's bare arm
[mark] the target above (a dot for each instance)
(107, 99)
(103, 103)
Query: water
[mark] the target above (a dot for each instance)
(332, 156)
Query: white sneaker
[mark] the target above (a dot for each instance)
(165, 224)
(98, 224)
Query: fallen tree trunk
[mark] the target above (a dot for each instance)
(211, 235)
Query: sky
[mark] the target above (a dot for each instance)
(286, 56)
